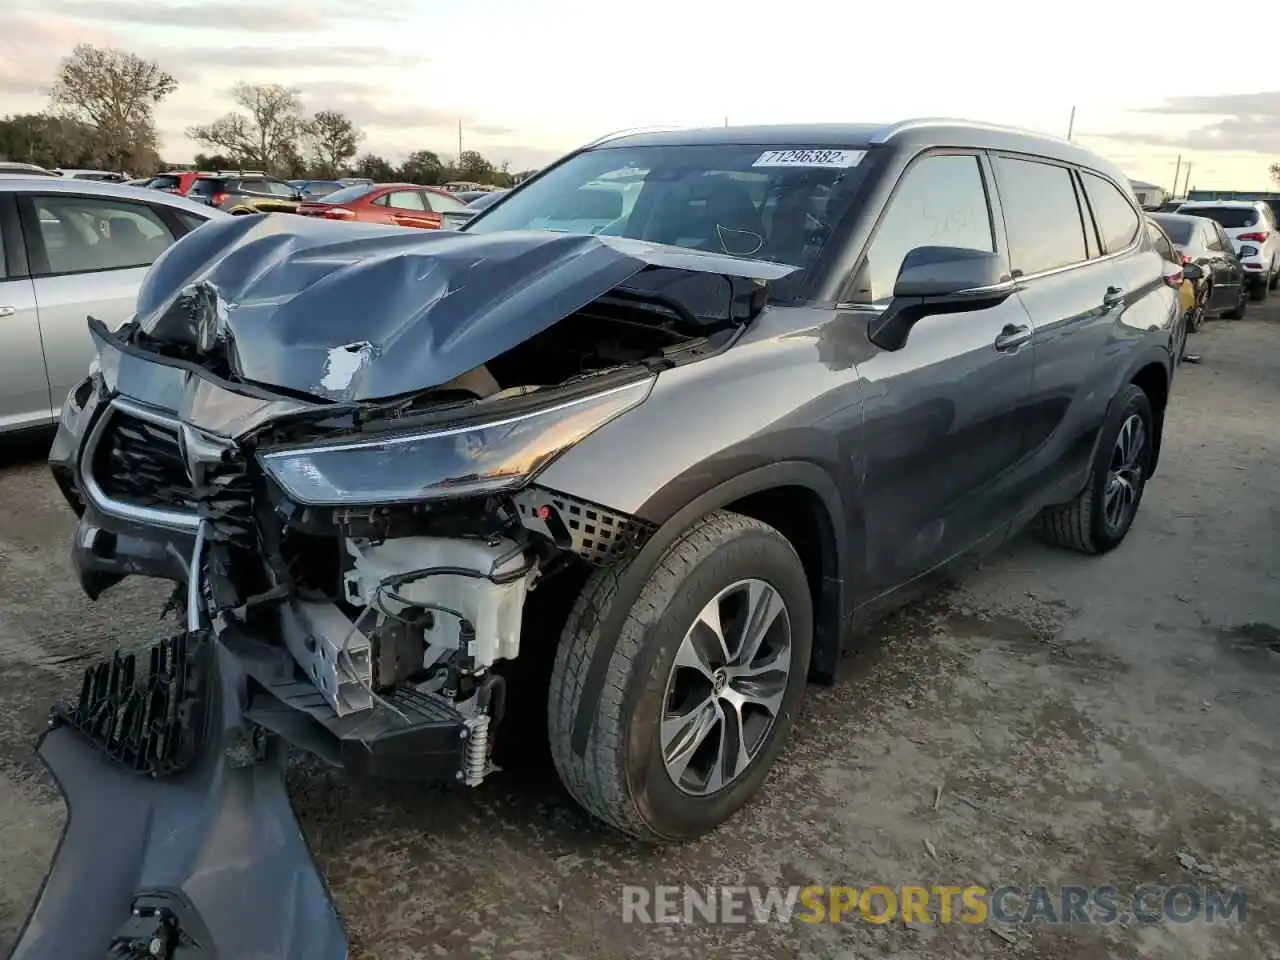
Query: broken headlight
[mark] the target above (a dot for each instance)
(465, 460)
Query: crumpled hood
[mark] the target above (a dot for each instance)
(359, 312)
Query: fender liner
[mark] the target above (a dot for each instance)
(786, 473)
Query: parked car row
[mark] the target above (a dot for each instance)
(70, 249)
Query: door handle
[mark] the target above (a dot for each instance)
(1114, 297)
(1012, 337)
(8, 311)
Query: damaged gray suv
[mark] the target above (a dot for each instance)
(634, 449)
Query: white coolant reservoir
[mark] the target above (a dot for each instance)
(493, 609)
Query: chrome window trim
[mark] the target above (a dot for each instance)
(187, 522)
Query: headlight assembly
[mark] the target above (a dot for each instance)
(466, 460)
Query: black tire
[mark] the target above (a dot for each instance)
(1082, 523)
(1258, 291)
(1237, 313)
(1195, 318)
(1275, 280)
(621, 777)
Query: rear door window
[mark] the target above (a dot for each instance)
(1041, 215)
(406, 200)
(439, 202)
(84, 234)
(941, 201)
(1233, 218)
(1161, 243)
(1117, 221)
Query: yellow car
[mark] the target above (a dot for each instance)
(1190, 281)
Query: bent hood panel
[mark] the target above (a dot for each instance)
(359, 312)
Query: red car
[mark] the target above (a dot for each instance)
(176, 181)
(404, 204)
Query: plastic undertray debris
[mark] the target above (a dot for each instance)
(149, 711)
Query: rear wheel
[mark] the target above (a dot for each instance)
(1100, 517)
(701, 686)
(1259, 290)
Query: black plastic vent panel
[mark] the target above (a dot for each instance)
(595, 533)
(152, 720)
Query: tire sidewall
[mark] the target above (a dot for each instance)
(667, 810)
(1133, 401)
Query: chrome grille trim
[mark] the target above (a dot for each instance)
(181, 520)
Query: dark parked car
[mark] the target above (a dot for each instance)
(1199, 240)
(455, 219)
(246, 194)
(664, 462)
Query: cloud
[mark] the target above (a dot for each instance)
(259, 57)
(34, 46)
(248, 17)
(1264, 104)
(1247, 123)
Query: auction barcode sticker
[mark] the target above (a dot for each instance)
(810, 158)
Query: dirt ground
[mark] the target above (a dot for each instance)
(1087, 719)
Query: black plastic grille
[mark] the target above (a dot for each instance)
(141, 463)
(595, 533)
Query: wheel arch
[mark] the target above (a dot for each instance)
(800, 496)
(1152, 378)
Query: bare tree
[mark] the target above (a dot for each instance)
(265, 134)
(116, 91)
(333, 139)
(1275, 172)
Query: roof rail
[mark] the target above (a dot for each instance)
(240, 173)
(918, 123)
(629, 131)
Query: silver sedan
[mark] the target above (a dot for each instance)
(68, 249)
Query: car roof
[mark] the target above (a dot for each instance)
(917, 132)
(1251, 204)
(118, 191)
(1166, 215)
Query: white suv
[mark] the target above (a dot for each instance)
(1251, 225)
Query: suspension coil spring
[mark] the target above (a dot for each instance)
(475, 763)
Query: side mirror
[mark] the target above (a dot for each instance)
(940, 280)
(1193, 271)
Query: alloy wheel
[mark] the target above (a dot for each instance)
(1125, 474)
(726, 687)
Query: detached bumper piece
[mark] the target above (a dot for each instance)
(203, 861)
(154, 724)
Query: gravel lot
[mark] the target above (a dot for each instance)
(1088, 719)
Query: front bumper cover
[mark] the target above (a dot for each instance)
(209, 863)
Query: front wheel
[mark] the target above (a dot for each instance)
(701, 685)
(1099, 518)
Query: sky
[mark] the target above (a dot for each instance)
(530, 79)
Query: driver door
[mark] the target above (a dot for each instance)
(945, 415)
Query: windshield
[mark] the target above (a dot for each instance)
(346, 194)
(1178, 229)
(1233, 218)
(748, 200)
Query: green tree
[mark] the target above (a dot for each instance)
(49, 141)
(424, 167)
(375, 168)
(115, 91)
(333, 139)
(216, 161)
(1275, 172)
(474, 167)
(265, 134)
